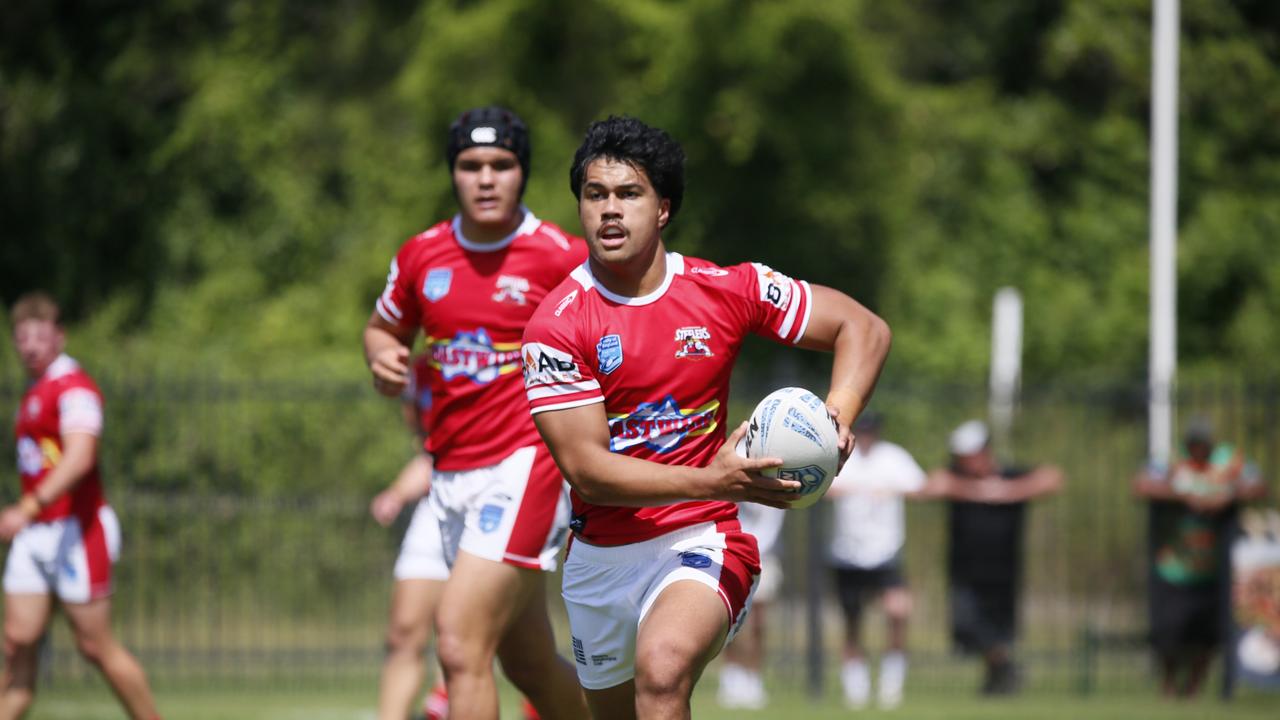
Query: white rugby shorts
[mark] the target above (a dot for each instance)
(422, 550)
(514, 512)
(65, 557)
(608, 590)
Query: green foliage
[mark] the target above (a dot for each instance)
(221, 184)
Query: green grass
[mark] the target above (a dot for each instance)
(346, 704)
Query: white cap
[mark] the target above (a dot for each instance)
(969, 438)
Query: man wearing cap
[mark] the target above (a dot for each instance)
(1192, 503)
(865, 555)
(470, 285)
(984, 560)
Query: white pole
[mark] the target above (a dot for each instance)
(1164, 224)
(1006, 362)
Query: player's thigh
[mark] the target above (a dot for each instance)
(90, 622)
(26, 615)
(616, 703)
(413, 608)
(685, 627)
(482, 598)
(530, 634)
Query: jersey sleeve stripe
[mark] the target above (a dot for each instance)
(784, 331)
(79, 410)
(384, 314)
(535, 409)
(808, 310)
(546, 391)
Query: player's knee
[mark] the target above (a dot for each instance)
(664, 671)
(92, 649)
(18, 641)
(457, 653)
(406, 638)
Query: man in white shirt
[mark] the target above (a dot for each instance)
(868, 535)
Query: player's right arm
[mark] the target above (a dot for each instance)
(393, 324)
(386, 351)
(79, 455)
(578, 438)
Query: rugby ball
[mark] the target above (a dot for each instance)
(793, 424)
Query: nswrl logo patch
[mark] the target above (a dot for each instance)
(490, 518)
(609, 353)
(437, 284)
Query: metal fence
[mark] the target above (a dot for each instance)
(249, 556)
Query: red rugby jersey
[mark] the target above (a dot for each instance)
(418, 393)
(472, 302)
(660, 364)
(64, 400)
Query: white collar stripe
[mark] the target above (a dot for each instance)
(675, 266)
(526, 227)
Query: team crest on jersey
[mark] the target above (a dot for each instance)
(490, 517)
(661, 426)
(512, 289)
(475, 356)
(437, 284)
(691, 342)
(609, 353)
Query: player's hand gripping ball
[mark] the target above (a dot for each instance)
(793, 424)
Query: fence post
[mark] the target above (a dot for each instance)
(813, 600)
(1087, 655)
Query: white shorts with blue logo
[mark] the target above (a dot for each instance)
(65, 557)
(515, 512)
(422, 550)
(608, 591)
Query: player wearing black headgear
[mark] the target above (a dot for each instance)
(491, 126)
(474, 560)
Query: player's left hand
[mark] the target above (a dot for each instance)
(847, 438)
(12, 520)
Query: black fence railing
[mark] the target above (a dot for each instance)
(249, 555)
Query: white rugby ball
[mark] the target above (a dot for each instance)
(793, 424)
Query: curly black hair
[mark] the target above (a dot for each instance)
(646, 148)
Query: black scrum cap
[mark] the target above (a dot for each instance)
(491, 126)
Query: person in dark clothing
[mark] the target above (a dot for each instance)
(1192, 504)
(984, 557)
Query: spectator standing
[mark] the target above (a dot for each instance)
(1193, 502)
(984, 558)
(866, 555)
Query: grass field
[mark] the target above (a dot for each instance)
(328, 704)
